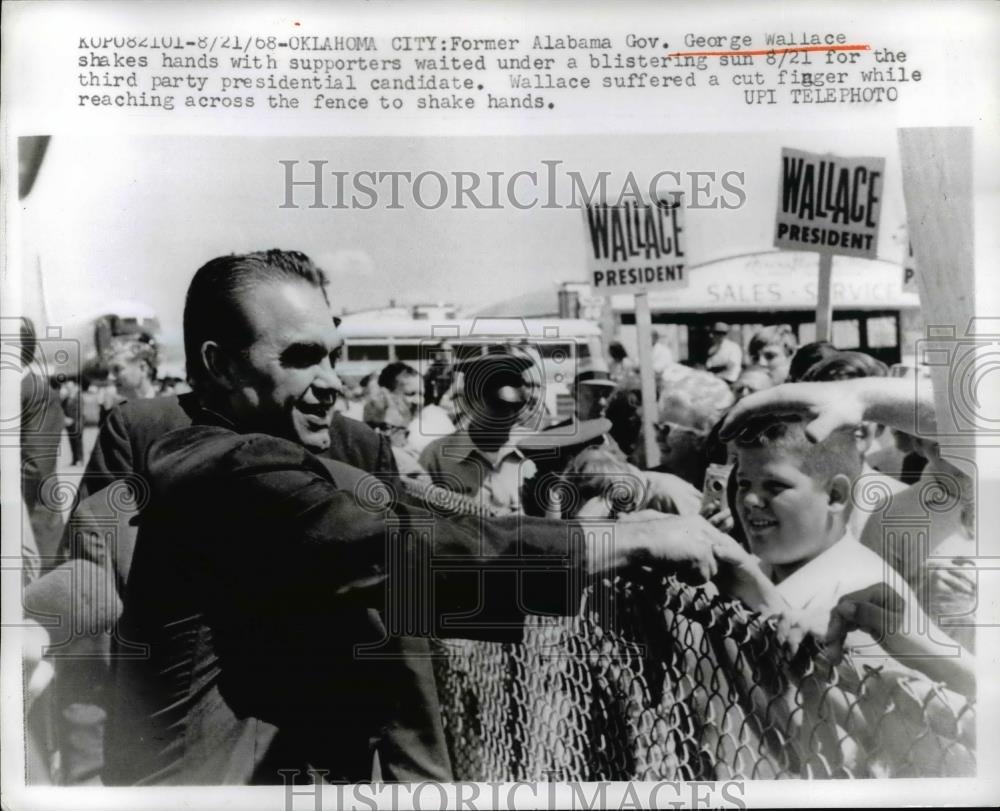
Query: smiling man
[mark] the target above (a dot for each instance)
(261, 345)
(259, 566)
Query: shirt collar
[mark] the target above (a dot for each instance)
(801, 585)
(463, 443)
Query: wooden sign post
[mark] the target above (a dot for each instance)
(636, 247)
(937, 186)
(824, 299)
(644, 333)
(830, 205)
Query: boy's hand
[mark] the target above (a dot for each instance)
(791, 629)
(740, 576)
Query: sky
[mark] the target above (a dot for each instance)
(133, 218)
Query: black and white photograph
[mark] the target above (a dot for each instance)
(589, 466)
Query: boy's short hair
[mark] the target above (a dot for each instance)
(776, 334)
(837, 454)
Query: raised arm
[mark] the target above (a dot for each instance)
(828, 406)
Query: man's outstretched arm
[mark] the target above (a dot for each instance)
(896, 403)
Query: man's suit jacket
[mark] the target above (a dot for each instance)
(252, 584)
(132, 427)
(411, 747)
(120, 453)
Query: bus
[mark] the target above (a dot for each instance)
(872, 312)
(559, 345)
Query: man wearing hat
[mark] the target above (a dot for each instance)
(725, 358)
(482, 460)
(593, 389)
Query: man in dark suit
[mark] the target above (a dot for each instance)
(412, 747)
(42, 424)
(130, 429)
(257, 567)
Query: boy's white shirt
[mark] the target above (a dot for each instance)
(844, 567)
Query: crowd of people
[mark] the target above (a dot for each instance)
(258, 554)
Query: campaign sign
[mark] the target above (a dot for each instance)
(829, 204)
(636, 246)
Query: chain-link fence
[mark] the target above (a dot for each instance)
(687, 686)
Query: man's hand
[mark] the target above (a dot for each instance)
(740, 576)
(719, 517)
(680, 544)
(825, 406)
(879, 611)
(829, 406)
(952, 584)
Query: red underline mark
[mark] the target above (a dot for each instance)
(766, 52)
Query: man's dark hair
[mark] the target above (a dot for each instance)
(212, 311)
(390, 374)
(846, 366)
(807, 356)
(617, 351)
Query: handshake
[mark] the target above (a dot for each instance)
(690, 546)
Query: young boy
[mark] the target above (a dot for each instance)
(793, 499)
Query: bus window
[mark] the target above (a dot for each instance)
(367, 352)
(465, 351)
(882, 332)
(846, 333)
(409, 353)
(550, 350)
